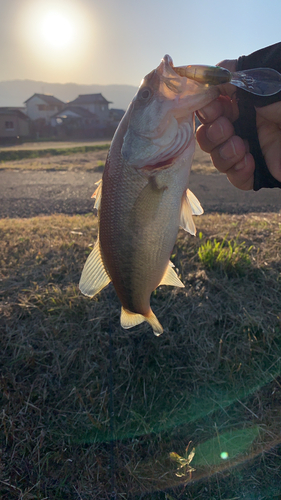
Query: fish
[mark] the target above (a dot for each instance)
(143, 196)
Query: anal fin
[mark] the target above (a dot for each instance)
(170, 277)
(94, 276)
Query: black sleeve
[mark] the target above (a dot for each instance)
(245, 126)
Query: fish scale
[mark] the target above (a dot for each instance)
(144, 196)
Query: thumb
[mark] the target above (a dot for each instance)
(272, 112)
(268, 121)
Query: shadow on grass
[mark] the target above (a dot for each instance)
(212, 378)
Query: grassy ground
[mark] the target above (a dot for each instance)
(12, 155)
(79, 161)
(81, 157)
(212, 379)
(43, 144)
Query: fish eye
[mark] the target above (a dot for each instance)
(145, 94)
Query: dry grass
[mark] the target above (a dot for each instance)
(212, 378)
(43, 144)
(79, 161)
(93, 160)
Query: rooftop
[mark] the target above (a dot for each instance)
(13, 111)
(49, 99)
(90, 99)
(82, 112)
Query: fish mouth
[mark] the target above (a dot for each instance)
(160, 121)
(186, 94)
(173, 83)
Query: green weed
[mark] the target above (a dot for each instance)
(229, 256)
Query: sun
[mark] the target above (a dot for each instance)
(56, 38)
(57, 30)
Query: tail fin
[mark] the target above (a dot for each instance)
(154, 323)
(129, 319)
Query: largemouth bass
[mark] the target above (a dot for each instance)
(143, 197)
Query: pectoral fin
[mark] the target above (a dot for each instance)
(190, 205)
(97, 194)
(129, 319)
(195, 203)
(147, 203)
(170, 277)
(94, 276)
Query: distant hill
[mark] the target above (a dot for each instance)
(15, 92)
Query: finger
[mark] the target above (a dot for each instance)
(211, 111)
(241, 175)
(228, 89)
(229, 64)
(228, 154)
(212, 135)
(268, 121)
(222, 106)
(272, 112)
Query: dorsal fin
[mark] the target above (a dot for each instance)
(94, 276)
(170, 277)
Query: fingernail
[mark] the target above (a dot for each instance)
(228, 151)
(202, 115)
(241, 164)
(215, 132)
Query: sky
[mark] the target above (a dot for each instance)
(120, 41)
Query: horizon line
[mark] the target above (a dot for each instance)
(66, 83)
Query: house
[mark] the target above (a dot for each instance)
(74, 113)
(14, 124)
(41, 107)
(87, 116)
(77, 121)
(95, 103)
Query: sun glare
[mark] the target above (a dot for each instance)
(56, 37)
(57, 30)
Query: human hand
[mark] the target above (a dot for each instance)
(230, 153)
(268, 121)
